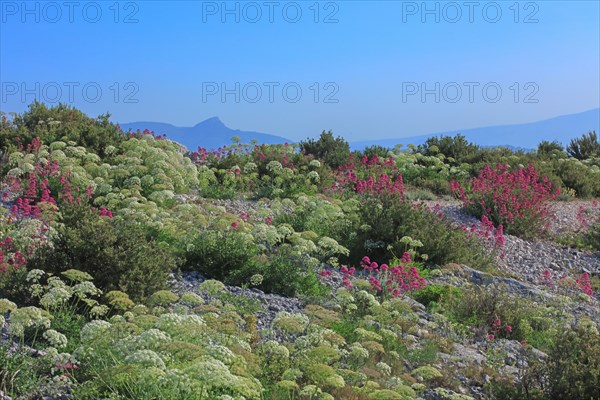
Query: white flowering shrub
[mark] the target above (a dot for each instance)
(146, 358)
(93, 330)
(55, 339)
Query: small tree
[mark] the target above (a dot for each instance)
(584, 147)
(546, 148)
(457, 147)
(333, 151)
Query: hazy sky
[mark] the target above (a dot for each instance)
(363, 69)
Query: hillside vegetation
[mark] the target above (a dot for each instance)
(133, 268)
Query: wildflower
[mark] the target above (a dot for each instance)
(7, 306)
(35, 275)
(584, 284)
(99, 311)
(76, 275)
(152, 338)
(325, 273)
(384, 368)
(256, 280)
(55, 297)
(93, 330)
(56, 339)
(313, 176)
(146, 358)
(83, 289)
(27, 317)
(64, 362)
(315, 164)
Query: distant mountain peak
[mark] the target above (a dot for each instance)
(210, 133)
(212, 122)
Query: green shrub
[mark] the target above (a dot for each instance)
(592, 237)
(479, 306)
(333, 151)
(20, 374)
(547, 148)
(384, 226)
(457, 147)
(61, 123)
(118, 253)
(571, 370)
(584, 147)
(431, 295)
(218, 254)
(374, 150)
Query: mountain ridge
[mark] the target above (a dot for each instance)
(212, 133)
(562, 128)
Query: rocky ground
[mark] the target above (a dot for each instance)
(528, 259)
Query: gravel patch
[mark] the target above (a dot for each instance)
(529, 259)
(271, 304)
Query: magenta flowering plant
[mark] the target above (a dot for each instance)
(566, 284)
(584, 284)
(46, 190)
(498, 330)
(10, 257)
(387, 281)
(374, 176)
(517, 200)
(489, 234)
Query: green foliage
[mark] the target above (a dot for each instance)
(20, 374)
(119, 254)
(457, 147)
(375, 150)
(383, 227)
(218, 254)
(577, 175)
(571, 370)
(547, 148)
(584, 147)
(478, 308)
(212, 343)
(333, 151)
(60, 122)
(592, 237)
(432, 295)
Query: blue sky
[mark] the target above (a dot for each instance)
(361, 67)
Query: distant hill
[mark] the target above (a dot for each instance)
(518, 136)
(210, 134)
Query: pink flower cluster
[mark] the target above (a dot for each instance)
(35, 190)
(582, 283)
(375, 176)
(105, 213)
(587, 216)
(387, 281)
(508, 197)
(488, 233)
(9, 257)
(497, 330)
